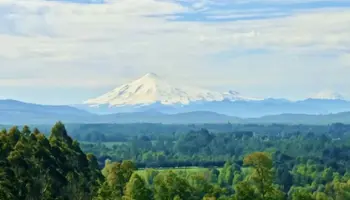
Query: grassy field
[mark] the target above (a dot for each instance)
(108, 144)
(187, 170)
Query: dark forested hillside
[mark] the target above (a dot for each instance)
(35, 167)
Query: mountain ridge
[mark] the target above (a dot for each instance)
(152, 92)
(328, 94)
(20, 113)
(151, 88)
(152, 99)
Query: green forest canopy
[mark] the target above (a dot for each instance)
(34, 167)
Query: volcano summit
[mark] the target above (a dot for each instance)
(151, 89)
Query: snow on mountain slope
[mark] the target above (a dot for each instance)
(151, 88)
(329, 95)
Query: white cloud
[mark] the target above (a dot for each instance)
(44, 42)
(345, 59)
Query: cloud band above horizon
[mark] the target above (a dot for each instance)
(255, 47)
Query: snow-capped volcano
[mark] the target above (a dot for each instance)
(151, 89)
(153, 94)
(328, 95)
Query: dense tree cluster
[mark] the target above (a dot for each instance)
(33, 167)
(296, 166)
(125, 132)
(206, 149)
(255, 179)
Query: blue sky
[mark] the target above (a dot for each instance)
(66, 51)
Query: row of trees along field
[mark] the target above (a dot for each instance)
(207, 149)
(33, 167)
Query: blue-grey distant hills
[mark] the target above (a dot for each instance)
(243, 109)
(19, 113)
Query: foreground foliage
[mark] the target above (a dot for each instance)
(34, 167)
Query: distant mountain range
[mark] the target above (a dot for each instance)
(151, 99)
(18, 113)
(153, 93)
